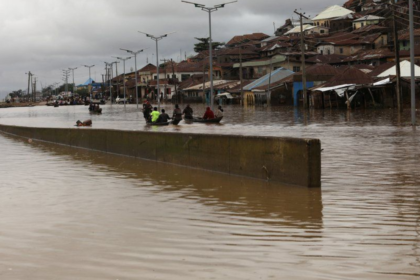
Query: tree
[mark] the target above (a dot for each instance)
(203, 45)
(16, 93)
(82, 92)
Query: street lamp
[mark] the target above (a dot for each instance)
(90, 81)
(109, 77)
(135, 65)
(210, 10)
(124, 59)
(157, 39)
(72, 70)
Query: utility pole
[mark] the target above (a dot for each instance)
(123, 60)
(174, 77)
(166, 76)
(269, 82)
(210, 10)
(157, 39)
(413, 81)
(90, 81)
(29, 82)
(397, 60)
(241, 74)
(74, 85)
(302, 46)
(135, 53)
(34, 91)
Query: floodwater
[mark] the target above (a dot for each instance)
(74, 214)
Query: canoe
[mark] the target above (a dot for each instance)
(158, 124)
(176, 122)
(215, 120)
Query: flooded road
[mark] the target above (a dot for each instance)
(73, 214)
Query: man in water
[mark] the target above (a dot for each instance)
(219, 113)
(177, 114)
(163, 117)
(188, 112)
(85, 123)
(155, 115)
(208, 115)
(147, 110)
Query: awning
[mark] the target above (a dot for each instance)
(383, 82)
(225, 94)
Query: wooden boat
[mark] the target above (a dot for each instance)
(176, 122)
(201, 120)
(158, 124)
(97, 111)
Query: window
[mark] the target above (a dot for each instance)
(329, 51)
(363, 24)
(296, 68)
(341, 50)
(184, 77)
(322, 31)
(322, 52)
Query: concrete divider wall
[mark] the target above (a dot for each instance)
(286, 160)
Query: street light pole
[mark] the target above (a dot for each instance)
(157, 39)
(412, 70)
(124, 59)
(135, 65)
(110, 79)
(210, 10)
(90, 81)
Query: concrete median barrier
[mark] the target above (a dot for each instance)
(289, 161)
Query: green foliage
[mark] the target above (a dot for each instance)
(82, 92)
(203, 45)
(63, 88)
(17, 93)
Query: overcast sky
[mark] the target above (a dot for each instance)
(46, 36)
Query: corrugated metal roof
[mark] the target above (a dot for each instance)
(276, 76)
(222, 84)
(332, 12)
(261, 62)
(368, 17)
(405, 67)
(351, 75)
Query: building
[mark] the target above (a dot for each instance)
(324, 18)
(366, 21)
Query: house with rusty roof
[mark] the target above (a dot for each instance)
(405, 39)
(343, 90)
(343, 23)
(241, 39)
(366, 21)
(324, 18)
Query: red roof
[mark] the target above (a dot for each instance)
(247, 37)
(406, 36)
(148, 68)
(351, 75)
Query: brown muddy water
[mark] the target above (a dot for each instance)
(73, 214)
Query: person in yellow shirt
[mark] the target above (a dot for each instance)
(155, 115)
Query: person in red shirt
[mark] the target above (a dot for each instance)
(208, 115)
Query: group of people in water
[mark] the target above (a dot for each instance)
(154, 116)
(94, 107)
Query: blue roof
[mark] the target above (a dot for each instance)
(276, 76)
(88, 82)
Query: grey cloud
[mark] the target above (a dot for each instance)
(46, 36)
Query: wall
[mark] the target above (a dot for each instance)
(289, 161)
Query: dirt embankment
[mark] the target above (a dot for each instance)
(25, 104)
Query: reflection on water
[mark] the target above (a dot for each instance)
(74, 214)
